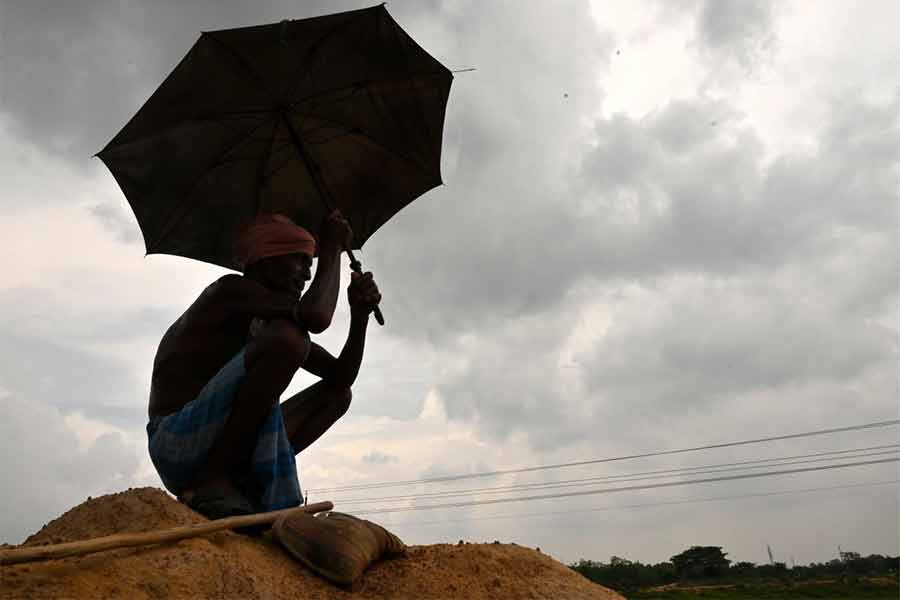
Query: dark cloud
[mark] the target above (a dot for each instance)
(495, 111)
(55, 357)
(769, 305)
(656, 195)
(736, 30)
(117, 221)
(509, 382)
(70, 379)
(73, 75)
(502, 202)
(578, 286)
(710, 342)
(503, 239)
(685, 125)
(51, 473)
(734, 25)
(378, 458)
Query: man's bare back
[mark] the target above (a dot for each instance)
(195, 347)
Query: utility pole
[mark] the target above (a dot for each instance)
(769, 550)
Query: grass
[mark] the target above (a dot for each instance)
(864, 589)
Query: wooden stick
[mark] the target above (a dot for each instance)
(124, 540)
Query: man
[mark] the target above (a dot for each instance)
(219, 436)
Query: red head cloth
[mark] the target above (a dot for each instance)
(271, 235)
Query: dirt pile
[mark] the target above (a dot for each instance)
(227, 565)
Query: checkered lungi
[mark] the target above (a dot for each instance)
(180, 442)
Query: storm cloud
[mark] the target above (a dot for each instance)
(661, 225)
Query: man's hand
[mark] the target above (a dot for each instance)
(335, 231)
(362, 294)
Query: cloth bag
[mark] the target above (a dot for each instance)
(337, 546)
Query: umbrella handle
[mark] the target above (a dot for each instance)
(356, 266)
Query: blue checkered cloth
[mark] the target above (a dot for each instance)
(180, 442)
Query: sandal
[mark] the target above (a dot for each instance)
(217, 504)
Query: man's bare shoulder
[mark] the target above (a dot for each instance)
(233, 284)
(239, 295)
(226, 283)
(213, 303)
(227, 288)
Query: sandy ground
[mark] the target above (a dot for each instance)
(227, 565)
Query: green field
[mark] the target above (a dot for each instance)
(873, 589)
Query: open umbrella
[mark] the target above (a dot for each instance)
(340, 111)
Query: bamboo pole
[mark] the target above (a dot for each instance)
(125, 540)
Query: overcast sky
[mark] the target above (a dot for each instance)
(663, 225)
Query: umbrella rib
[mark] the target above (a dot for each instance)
(358, 86)
(248, 68)
(414, 91)
(221, 122)
(291, 157)
(373, 141)
(323, 37)
(313, 142)
(182, 208)
(268, 175)
(196, 118)
(261, 171)
(380, 108)
(246, 111)
(191, 121)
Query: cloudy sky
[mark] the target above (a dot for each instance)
(663, 225)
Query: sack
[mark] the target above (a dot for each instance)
(337, 546)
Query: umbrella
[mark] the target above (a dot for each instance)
(299, 117)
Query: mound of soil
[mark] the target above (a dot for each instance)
(228, 565)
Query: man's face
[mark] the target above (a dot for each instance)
(288, 272)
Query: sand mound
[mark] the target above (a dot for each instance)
(227, 565)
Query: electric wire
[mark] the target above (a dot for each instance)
(584, 480)
(645, 505)
(446, 478)
(625, 489)
(663, 474)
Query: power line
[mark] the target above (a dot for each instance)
(624, 489)
(668, 473)
(446, 478)
(661, 472)
(646, 505)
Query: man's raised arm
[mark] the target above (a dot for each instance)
(363, 295)
(314, 310)
(316, 306)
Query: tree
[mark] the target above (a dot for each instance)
(700, 562)
(743, 569)
(625, 575)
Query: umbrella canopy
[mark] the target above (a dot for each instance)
(341, 111)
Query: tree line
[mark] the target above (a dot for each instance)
(709, 564)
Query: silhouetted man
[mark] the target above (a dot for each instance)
(219, 436)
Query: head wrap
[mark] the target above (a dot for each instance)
(271, 235)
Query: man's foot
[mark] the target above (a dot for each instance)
(219, 501)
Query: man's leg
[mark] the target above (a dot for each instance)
(311, 412)
(271, 360)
